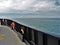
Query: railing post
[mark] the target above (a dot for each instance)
(44, 39)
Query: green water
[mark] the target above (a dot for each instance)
(50, 25)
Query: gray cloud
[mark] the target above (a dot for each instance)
(26, 6)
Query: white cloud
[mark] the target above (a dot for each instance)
(5, 5)
(27, 5)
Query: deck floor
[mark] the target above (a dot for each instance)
(9, 37)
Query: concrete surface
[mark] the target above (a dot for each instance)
(9, 37)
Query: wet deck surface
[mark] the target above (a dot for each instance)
(9, 37)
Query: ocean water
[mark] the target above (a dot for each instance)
(49, 25)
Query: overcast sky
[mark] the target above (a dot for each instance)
(28, 6)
